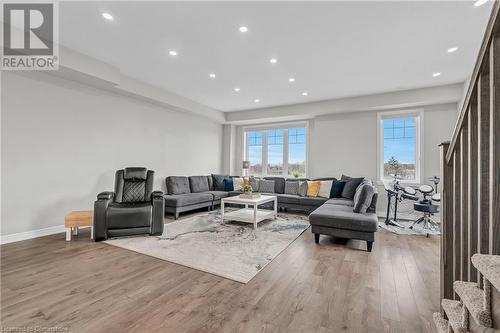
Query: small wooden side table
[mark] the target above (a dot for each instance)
(76, 219)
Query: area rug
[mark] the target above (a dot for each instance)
(417, 229)
(232, 250)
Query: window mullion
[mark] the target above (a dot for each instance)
(285, 152)
(264, 153)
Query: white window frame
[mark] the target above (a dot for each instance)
(419, 129)
(284, 127)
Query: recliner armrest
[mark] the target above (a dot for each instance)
(157, 195)
(105, 195)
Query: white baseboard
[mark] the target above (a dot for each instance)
(31, 234)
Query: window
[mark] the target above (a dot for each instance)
(399, 145)
(276, 151)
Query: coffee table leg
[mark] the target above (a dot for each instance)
(255, 216)
(68, 234)
(275, 207)
(92, 232)
(222, 205)
(75, 231)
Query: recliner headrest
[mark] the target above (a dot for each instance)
(135, 173)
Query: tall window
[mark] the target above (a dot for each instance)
(254, 152)
(399, 146)
(277, 151)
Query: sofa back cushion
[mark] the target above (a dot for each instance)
(363, 197)
(218, 181)
(178, 185)
(279, 184)
(254, 182)
(199, 184)
(303, 188)
(292, 187)
(350, 187)
(266, 186)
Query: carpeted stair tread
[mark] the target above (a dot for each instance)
(440, 322)
(489, 266)
(474, 300)
(454, 311)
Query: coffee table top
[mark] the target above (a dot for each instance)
(238, 199)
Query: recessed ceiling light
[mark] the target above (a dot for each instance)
(107, 16)
(480, 3)
(436, 74)
(273, 60)
(291, 79)
(243, 29)
(452, 49)
(305, 93)
(236, 89)
(212, 75)
(172, 52)
(256, 100)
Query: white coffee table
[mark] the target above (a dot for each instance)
(249, 215)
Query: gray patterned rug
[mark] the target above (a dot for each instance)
(232, 250)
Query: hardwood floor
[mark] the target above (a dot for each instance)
(330, 287)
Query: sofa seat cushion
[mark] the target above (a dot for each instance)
(340, 201)
(187, 199)
(288, 199)
(342, 217)
(129, 215)
(219, 194)
(312, 201)
(234, 193)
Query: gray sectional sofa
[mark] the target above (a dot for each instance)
(341, 217)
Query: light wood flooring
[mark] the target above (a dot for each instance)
(331, 287)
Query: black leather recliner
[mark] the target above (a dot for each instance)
(133, 208)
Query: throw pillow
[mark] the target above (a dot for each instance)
(337, 188)
(363, 198)
(325, 188)
(303, 189)
(228, 184)
(292, 187)
(266, 186)
(350, 186)
(237, 184)
(313, 188)
(254, 182)
(218, 181)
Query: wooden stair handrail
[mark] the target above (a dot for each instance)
(494, 22)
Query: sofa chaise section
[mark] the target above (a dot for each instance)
(187, 193)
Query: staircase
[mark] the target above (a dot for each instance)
(475, 311)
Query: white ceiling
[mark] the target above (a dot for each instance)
(332, 49)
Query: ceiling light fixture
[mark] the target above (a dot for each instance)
(291, 79)
(236, 89)
(107, 16)
(305, 93)
(479, 3)
(452, 49)
(273, 60)
(256, 100)
(243, 29)
(172, 53)
(436, 74)
(212, 75)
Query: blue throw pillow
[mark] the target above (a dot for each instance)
(337, 188)
(228, 184)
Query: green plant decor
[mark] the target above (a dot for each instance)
(247, 188)
(296, 174)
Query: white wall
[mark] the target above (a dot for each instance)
(62, 142)
(347, 143)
